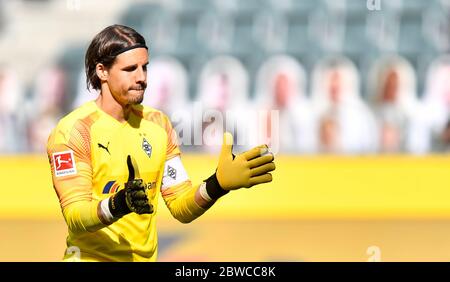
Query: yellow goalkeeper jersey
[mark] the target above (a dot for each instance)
(87, 152)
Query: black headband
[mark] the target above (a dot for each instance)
(120, 51)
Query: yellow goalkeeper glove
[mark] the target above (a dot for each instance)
(244, 170)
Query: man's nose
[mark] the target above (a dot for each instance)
(141, 76)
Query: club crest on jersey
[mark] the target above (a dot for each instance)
(64, 163)
(147, 147)
(171, 172)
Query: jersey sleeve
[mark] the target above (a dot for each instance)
(178, 192)
(176, 188)
(69, 155)
(172, 139)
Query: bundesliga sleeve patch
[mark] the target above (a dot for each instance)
(64, 163)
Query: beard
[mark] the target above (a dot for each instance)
(136, 100)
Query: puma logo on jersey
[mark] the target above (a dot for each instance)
(147, 147)
(103, 147)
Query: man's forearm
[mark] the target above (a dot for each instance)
(184, 202)
(84, 216)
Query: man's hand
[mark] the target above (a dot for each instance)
(133, 198)
(245, 170)
(136, 197)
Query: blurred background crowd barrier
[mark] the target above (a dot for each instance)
(343, 77)
(349, 92)
(328, 208)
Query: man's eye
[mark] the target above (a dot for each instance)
(130, 69)
(145, 68)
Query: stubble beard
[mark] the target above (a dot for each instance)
(137, 100)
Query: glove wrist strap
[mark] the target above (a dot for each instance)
(213, 188)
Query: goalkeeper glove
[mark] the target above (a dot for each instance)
(244, 170)
(133, 198)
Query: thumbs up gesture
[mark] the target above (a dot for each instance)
(133, 198)
(135, 194)
(246, 169)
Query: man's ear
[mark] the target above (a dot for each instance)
(102, 72)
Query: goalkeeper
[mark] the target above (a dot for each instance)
(111, 157)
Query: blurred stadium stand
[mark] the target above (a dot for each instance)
(195, 32)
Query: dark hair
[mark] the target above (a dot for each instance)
(105, 47)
